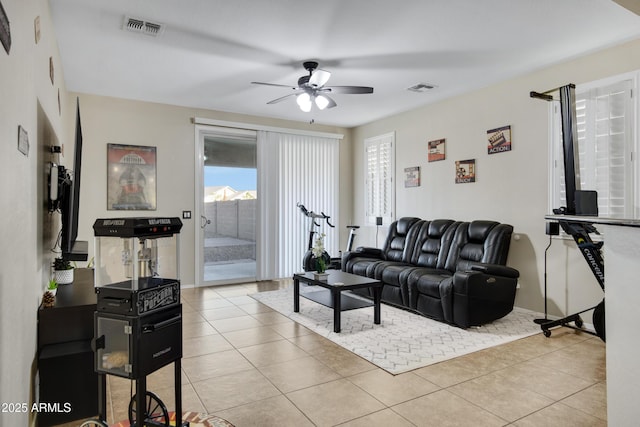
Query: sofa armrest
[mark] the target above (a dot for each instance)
(496, 270)
(367, 251)
(360, 252)
(481, 295)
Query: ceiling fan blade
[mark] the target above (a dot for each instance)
(319, 78)
(349, 89)
(273, 84)
(282, 98)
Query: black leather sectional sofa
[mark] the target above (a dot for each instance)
(448, 270)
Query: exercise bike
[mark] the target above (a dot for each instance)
(308, 260)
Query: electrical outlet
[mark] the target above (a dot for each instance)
(186, 214)
(552, 228)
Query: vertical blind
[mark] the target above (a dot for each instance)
(294, 169)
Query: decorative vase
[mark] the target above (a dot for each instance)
(64, 277)
(320, 276)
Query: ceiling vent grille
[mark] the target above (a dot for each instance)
(421, 87)
(137, 25)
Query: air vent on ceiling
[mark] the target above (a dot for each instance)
(141, 26)
(421, 87)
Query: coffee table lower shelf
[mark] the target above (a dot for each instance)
(331, 295)
(347, 302)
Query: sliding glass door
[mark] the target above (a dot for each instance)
(248, 225)
(228, 207)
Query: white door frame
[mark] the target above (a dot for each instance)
(204, 126)
(201, 131)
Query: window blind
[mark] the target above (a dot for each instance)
(379, 189)
(605, 143)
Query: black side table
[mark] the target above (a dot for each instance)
(336, 282)
(68, 381)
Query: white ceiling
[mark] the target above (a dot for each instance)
(211, 50)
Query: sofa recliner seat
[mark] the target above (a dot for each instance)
(396, 250)
(448, 270)
(429, 245)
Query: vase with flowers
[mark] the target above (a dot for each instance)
(320, 255)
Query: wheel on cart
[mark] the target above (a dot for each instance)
(157, 414)
(94, 423)
(579, 322)
(546, 332)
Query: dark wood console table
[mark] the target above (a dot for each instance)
(65, 356)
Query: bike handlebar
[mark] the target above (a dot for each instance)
(312, 214)
(327, 217)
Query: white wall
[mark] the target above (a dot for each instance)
(169, 128)
(29, 99)
(511, 187)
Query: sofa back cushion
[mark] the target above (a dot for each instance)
(433, 243)
(401, 239)
(479, 242)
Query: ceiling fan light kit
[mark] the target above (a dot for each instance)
(312, 90)
(304, 102)
(321, 102)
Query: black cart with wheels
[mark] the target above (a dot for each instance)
(138, 319)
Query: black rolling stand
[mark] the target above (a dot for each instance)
(552, 230)
(591, 252)
(155, 340)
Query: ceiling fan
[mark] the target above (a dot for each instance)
(311, 89)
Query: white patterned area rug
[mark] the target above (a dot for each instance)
(403, 341)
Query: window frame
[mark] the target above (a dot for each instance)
(556, 181)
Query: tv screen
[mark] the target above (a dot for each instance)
(72, 249)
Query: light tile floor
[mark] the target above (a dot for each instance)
(254, 367)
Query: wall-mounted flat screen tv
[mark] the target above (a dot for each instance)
(72, 249)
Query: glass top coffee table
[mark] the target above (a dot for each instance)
(336, 282)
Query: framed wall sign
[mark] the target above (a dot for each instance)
(499, 140)
(131, 177)
(23, 140)
(465, 171)
(412, 177)
(436, 150)
(5, 30)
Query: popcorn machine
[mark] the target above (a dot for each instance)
(138, 320)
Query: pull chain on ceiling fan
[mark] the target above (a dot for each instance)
(311, 89)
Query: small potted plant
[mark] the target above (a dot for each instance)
(319, 255)
(52, 286)
(63, 271)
